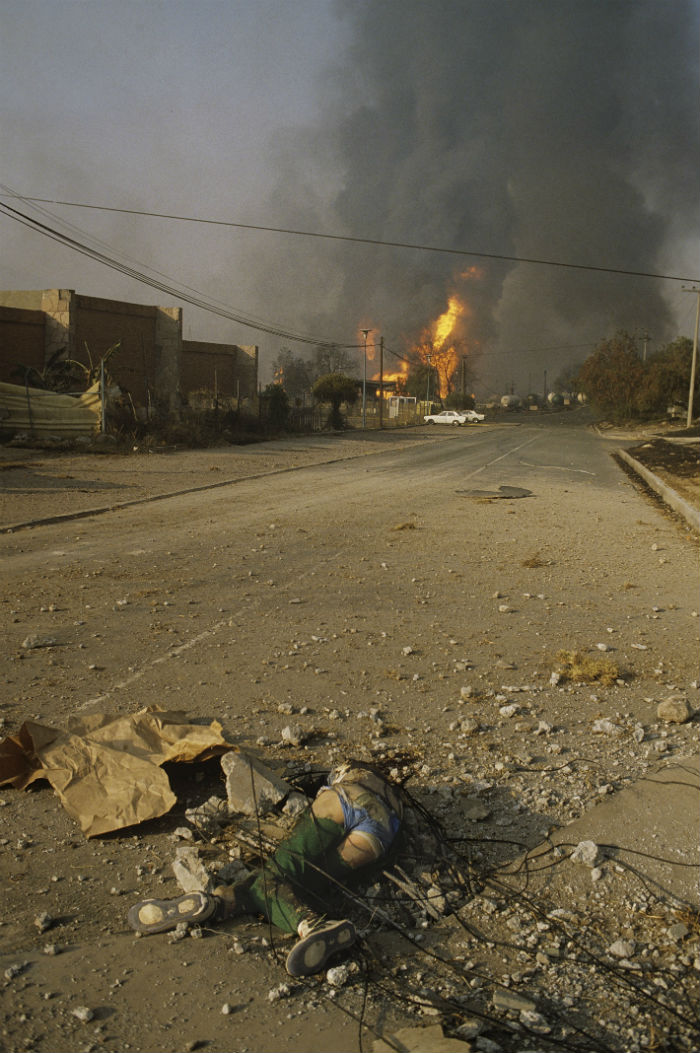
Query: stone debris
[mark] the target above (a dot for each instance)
(251, 787)
(295, 804)
(338, 976)
(210, 815)
(587, 853)
(421, 1039)
(37, 640)
(676, 709)
(535, 1021)
(604, 726)
(504, 998)
(83, 1014)
(43, 922)
(190, 873)
(293, 735)
(15, 970)
(279, 992)
(622, 948)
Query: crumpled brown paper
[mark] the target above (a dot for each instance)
(107, 770)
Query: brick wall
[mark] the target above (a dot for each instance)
(153, 362)
(229, 370)
(21, 343)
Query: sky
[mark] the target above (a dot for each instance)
(443, 146)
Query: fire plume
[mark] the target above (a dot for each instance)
(447, 321)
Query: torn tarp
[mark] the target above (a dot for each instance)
(106, 769)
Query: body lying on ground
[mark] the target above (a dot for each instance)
(338, 841)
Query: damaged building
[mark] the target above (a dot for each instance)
(155, 367)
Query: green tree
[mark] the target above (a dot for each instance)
(336, 388)
(612, 376)
(667, 377)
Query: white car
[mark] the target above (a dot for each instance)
(454, 417)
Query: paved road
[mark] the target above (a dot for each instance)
(356, 598)
(120, 590)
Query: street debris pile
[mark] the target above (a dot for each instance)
(493, 925)
(481, 958)
(492, 955)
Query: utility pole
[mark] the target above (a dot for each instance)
(427, 393)
(365, 333)
(381, 382)
(695, 358)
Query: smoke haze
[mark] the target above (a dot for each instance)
(541, 129)
(563, 130)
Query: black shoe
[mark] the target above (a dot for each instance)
(162, 915)
(310, 954)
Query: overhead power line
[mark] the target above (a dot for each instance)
(501, 257)
(170, 290)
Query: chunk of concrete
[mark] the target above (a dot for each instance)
(252, 788)
(190, 873)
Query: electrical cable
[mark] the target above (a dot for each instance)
(170, 290)
(500, 257)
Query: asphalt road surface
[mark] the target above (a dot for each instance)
(377, 603)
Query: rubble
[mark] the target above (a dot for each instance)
(676, 709)
(251, 787)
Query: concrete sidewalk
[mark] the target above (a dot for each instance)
(647, 832)
(664, 490)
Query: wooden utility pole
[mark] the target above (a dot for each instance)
(694, 360)
(381, 382)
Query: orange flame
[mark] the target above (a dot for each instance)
(445, 324)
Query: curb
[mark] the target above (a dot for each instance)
(665, 492)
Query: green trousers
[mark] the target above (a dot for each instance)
(297, 882)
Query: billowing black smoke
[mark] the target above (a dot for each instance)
(562, 130)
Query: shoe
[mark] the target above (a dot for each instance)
(162, 915)
(319, 942)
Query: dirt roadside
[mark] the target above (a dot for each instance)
(511, 759)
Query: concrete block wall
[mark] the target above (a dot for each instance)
(168, 342)
(58, 306)
(153, 362)
(228, 370)
(21, 343)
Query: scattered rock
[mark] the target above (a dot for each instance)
(252, 788)
(504, 998)
(338, 976)
(676, 709)
(43, 921)
(587, 853)
(281, 991)
(622, 948)
(293, 735)
(36, 640)
(420, 1039)
(190, 873)
(604, 726)
(83, 1014)
(15, 970)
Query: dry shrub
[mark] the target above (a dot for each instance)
(534, 561)
(581, 668)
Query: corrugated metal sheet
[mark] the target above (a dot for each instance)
(40, 412)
